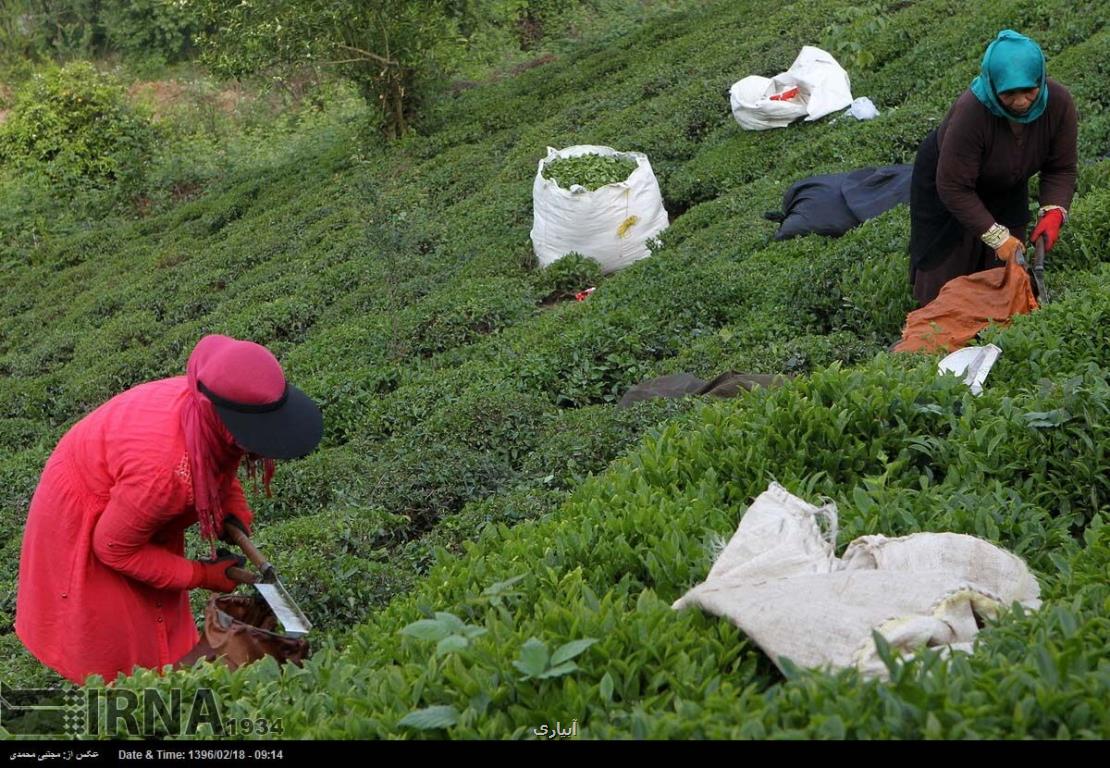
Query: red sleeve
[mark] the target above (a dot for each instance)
(141, 505)
(961, 156)
(234, 502)
(1059, 171)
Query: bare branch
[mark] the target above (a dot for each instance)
(343, 61)
(374, 56)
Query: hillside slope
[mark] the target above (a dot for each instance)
(396, 286)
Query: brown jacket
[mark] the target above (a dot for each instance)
(982, 155)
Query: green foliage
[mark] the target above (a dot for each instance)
(899, 448)
(33, 28)
(73, 126)
(530, 19)
(430, 718)
(399, 53)
(537, 663)
(465, 313)
(569, 275)
(149, 29)
(853, 50)
(140, 30)
(389, 49)
(589, 171)
(449, 632)
(475, 474)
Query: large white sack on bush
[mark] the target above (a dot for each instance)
(610, 225)
(823, 87)
(780, 581)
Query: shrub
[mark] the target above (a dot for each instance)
(157, 31)
(567, 276)
(73, 125)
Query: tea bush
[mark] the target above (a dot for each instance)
(607, 564)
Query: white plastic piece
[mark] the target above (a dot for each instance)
(863, 109)
(973, 363)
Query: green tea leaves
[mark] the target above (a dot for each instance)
(589, 171)
(430, 718)
(535, 662)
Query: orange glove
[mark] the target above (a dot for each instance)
(1010, 248)
(1049, 226)
(212, 574)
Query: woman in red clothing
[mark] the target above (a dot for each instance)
(103, 580)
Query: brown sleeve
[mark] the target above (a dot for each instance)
(1058, 172)
(961, 155)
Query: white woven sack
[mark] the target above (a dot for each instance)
(753, 109)
(611, 225)
(779, 581)
(823, 85)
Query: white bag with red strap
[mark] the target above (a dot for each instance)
(814, 86)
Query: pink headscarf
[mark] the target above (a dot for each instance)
(214, 455)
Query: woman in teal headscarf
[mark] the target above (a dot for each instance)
(969, 198)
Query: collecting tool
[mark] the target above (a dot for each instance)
(1036, 270)
(269, 586)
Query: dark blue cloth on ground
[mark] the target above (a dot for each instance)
(833, 204)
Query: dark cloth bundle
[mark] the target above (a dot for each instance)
(833, 204)
(728, 384)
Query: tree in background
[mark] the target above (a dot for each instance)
(393, 51)
(388, 48)
(141, 29)
(66, 29)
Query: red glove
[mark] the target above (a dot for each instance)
(212, 574)
(1049, 226)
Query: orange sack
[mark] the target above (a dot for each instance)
(966, 306)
